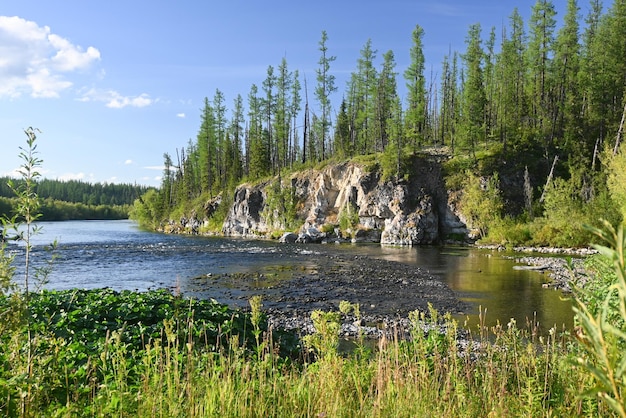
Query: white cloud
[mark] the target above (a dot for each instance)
(181, 115)
(128, 162)
(155, 167)
(35, 61)
(71, 176)
(115, 100)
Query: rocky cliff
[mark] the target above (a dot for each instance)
(345, 201)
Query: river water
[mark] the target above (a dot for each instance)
(117, 254)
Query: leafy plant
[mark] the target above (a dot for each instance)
(602, 340)
(348, 217)
(481, 202)
(325, 340)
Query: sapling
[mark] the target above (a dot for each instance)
(23, 224)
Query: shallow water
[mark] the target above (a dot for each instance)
(117, 254)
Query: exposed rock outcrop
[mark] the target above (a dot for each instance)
(406, 212)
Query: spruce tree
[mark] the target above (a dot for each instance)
(416, 90)
(325, 87)
(474, 99)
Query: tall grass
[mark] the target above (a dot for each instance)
(497, 371)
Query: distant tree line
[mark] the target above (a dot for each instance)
(73, 199)
(76, 191)
(551, 99)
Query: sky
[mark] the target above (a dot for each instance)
(113, 85)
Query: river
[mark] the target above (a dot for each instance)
(117, 254)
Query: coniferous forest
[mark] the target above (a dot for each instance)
(541, 100)
(73, 199)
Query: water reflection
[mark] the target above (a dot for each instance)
(487, 281)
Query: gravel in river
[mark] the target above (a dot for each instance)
(386, 291)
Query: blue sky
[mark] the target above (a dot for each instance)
(112, 85)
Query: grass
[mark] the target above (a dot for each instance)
(146, 360)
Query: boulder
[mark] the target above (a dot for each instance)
(288, 237)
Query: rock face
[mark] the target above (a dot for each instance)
(406, 212)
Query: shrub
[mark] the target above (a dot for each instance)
(481, 202)
(603, 339)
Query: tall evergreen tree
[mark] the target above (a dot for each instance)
(566, 121)
(416, 90)
(282, 117)
(258, 153)
(539, 55)
(237, 134)
(474, 99)
(342, 144)
(219, 109)
(325, 87)
(294, 110)
(386, 97)
(207, 148)
(491, 114)
(362, 88)
(449, 100)
(269, 109)
(511, 73)
(607, 85)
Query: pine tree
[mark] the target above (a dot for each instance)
(416, 90)
(511, 73)
(219, 110)
(294, 110)
(539, 55)
(361, 106)
(325, 87)
(474, 100)
(342, 143)
(566, 121)
(269, 108)
(207, 148)
(491, 114)
(237, 133)
(386, 97)
(449, 101)
(258, 153)
(282, 117)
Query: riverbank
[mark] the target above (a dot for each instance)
(386, 292)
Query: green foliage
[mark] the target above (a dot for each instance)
(603, 339)
(568, 206)
(509, 232)
(543, 93)
(325, 340)
(616, 181)
(481, 203)
(88, 316)
(147, 210)
(280, 209)
(76, 191)
(597, 286)
(90, 341)
(348, 217)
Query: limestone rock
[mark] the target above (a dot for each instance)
(405, 212)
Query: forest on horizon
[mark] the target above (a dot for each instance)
(74, 199)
